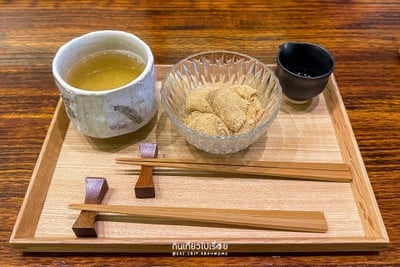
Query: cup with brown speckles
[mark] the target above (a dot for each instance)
(128, 103)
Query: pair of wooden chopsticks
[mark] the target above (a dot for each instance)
(334, 172)
(302, 221)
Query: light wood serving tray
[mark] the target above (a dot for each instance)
(320, 132)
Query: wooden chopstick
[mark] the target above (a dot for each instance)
(255, 163)
(333, 172)
(302, 221)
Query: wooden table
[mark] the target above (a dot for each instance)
(363, 36)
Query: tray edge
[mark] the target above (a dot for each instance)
(361, 186)
(22, 228)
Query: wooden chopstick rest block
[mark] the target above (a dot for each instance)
(144, 187)
(85, 225)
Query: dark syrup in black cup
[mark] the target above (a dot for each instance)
(303, 70)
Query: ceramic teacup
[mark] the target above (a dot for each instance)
(303, 70)
(113, 112)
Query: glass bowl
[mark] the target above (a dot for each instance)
(212, 67)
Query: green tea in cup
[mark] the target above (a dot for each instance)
(105, 70)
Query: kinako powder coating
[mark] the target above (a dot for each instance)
(223, 109)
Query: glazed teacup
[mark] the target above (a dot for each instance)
(112, 112)
(303, 70)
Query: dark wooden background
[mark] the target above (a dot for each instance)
(364, 37)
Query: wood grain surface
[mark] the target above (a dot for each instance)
(363, 36)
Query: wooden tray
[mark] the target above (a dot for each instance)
(320, 132)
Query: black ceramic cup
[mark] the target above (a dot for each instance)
(303, 70)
